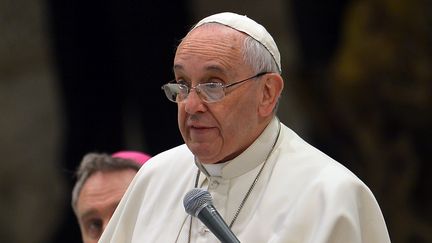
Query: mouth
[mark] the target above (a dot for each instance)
(196, 125)
(200, 128)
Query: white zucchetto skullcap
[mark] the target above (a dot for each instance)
(248, 26)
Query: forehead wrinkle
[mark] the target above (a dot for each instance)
(209, 52)
(226, 51)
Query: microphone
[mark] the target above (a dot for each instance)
(199, 203)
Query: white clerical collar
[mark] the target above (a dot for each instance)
(214, 169)
(253, 156)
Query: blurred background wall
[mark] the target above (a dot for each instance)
(85, 76)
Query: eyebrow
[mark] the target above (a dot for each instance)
(177, 67)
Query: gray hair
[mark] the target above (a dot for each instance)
(94, 162)
(258, 57)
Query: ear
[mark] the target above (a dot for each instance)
(271, 91)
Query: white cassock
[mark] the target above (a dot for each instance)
(302, 195)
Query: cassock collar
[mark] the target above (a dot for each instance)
(253, 156)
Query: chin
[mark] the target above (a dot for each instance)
(204, 156)
(206, 152)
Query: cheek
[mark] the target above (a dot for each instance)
(239, 118)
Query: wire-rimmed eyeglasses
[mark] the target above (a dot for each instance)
(208, 92)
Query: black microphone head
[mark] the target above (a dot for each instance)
(195, 200)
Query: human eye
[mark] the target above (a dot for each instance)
(179, 85)
(212, 91)
(181, 81)
(212, 86)
(214, 80)
(182, 88)
(94, 228)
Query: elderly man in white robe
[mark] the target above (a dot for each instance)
(267, 183)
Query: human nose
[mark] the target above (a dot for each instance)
(194, 103)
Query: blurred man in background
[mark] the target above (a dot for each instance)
(101, 182)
